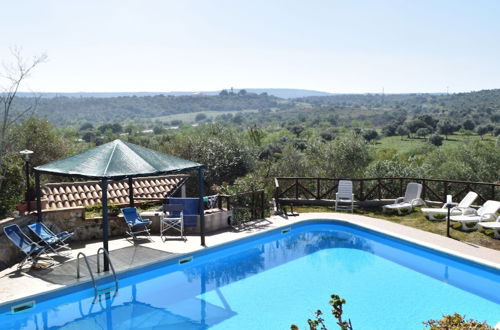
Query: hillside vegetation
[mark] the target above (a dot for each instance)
(376, 110)
(246, 139)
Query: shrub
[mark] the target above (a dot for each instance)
(436, 140)
(337, 304)
(13, 185)
(423, 132)
(370, 134)
(200, 117)
(456, 322)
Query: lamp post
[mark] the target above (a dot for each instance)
(26, 156)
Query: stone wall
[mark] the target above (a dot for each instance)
(73, 220)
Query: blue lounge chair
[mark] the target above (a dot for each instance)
(31, 249)
(54, 241)
(136, 225)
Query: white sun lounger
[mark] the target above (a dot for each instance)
(405, 204)
(495, 225)
(438, 214)
(471, 217)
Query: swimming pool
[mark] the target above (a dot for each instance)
(279, 278)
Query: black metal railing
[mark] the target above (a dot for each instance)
(246, 206)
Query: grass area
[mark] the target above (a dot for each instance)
(406, 145)
(417, 220)
(189, 117)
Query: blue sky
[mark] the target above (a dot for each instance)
(349, 46)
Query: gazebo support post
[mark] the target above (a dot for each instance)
(131, 191)
(38, 197)
(105, 222)
(201, 192)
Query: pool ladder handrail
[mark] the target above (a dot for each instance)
(94, 283)
(88, 267)
(105, 254)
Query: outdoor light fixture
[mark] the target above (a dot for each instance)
(26, 155)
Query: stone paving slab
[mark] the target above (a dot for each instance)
(15, 285)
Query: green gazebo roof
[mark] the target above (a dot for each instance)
(118, 159)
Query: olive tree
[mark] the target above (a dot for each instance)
(346, 156)
(11, 79)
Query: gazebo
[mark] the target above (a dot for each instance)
(118, 160)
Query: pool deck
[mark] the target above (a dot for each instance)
(15, 285)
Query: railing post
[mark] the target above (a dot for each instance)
(262, 204)
(254, 213)
(317, 188)
(296, 188)
(492, 192)
(445, 190)
(400, 186)
(361, 184)
(423, 189)
(379, 191)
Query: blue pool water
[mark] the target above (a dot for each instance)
(274, 280)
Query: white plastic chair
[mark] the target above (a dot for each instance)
(173, 219)
(344, 198)
(404, 205)
(495, 225)
(438, 214)
(472, 217)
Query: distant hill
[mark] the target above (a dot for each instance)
(285, 93)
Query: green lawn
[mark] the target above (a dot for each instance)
(417, 220)
(406, 145)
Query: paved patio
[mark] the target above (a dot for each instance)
(125, 255)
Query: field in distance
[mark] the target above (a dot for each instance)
(190, 117)
(407, 145)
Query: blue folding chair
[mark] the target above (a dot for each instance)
(136, 225)
(31, 249)
(54, 241)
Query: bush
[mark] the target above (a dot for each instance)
(496, 131)
(436, 140)
(224, 151)
(423, 132)
(337, 304)
(200, 117)
(456, 322)
(347, 156)
(370, 135)
(457, 163)
(12, 186)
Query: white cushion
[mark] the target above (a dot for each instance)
(440, 211)
(490, 225)
(398, 206)
(464, 218)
